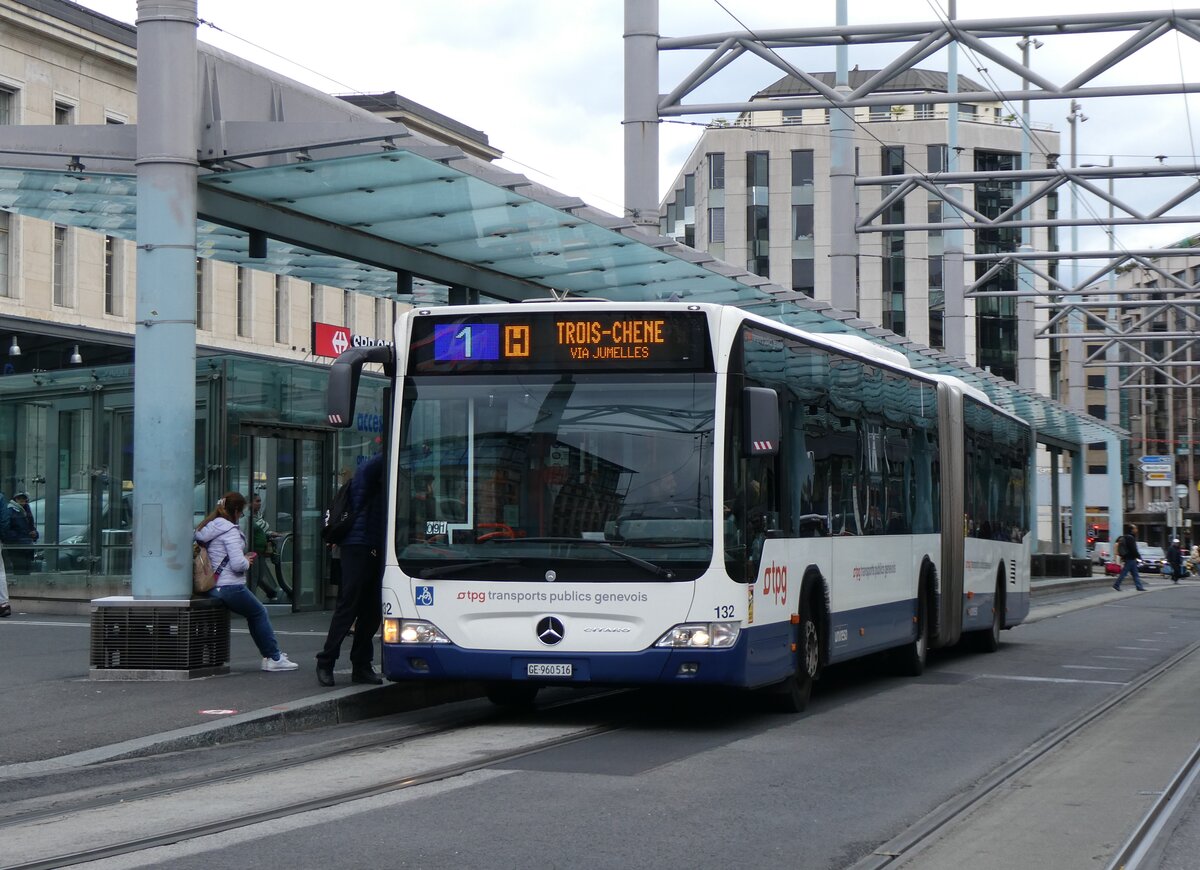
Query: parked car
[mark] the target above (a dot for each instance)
(74, 514)
(1102, 552)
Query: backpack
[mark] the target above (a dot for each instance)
(204, 577)
(1122, 548)
(340, 517)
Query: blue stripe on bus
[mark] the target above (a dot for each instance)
(761, 656)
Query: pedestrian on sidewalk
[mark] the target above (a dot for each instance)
(360, 587)
(1127, 551)
(226, 545)
(1175, 560)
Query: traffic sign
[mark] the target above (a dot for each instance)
(1180, 490)
(1159, 475)
(1157, 469)
(1156, 460)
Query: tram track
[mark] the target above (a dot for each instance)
(904, 847)
(13, 828)
(1137, 851)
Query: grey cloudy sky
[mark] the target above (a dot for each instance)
(543, 78)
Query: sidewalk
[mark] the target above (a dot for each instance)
(65, 720)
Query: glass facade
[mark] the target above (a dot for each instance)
(66, 439)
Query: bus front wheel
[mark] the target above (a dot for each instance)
(792, 695)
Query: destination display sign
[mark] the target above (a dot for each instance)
(561, 341)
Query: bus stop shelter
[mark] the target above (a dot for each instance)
(235, 163)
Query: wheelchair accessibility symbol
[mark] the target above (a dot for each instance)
(425, 596)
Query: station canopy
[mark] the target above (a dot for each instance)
(426, 209)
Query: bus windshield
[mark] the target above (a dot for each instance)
(556, 477)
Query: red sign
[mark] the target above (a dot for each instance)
(330, 340)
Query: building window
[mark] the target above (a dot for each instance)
(802, 222)
(314, 303)
(5, 258)
(1097, 469)
(1095, 382)
(793, 116)
(242, 302)
(64, 113)
(201, 321)
(924, 111)
(1098, 411)
(935, 273)
(802, 168)
(113, 275)
(891, 160)
(348, 310)
(59, 266)
(757, 163)
(968, 111)
(716, 226)
(8, 106)
(716, 171)
(281, 310)
(936, 158)
(802, 277)
(758, 239)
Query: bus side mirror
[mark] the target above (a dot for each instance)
(760, 422)
(343, 381)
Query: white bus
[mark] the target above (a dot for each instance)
(591, 493)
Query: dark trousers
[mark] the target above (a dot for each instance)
(359, 604)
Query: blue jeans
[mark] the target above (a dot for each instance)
(1130, 568)
(245, 603)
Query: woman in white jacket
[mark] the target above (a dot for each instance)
(226, 545)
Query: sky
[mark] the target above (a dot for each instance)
(544, 78)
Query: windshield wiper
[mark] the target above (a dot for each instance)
(656, 570)
(443, 570)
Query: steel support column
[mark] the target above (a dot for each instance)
(164, 381)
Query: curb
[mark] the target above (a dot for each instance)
(351, 704)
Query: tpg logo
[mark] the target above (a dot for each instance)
(775, 583)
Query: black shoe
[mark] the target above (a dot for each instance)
(1115, 586)
(366, 675)
(5, 610)
(324, 676)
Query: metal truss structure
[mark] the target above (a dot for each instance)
(1075, 304)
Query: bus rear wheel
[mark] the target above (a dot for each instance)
(988, 640)
(911, 658)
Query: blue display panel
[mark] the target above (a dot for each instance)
(461, 342)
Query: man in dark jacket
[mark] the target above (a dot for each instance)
(1127, 551)
(20, 532)
(359, 600)
(1175, 560)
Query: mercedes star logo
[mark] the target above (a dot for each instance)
(550, 631)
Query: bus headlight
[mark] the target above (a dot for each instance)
(412, 631)
(709, 635)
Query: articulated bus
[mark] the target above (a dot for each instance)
(588, 493)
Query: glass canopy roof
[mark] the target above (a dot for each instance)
(514, 238)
